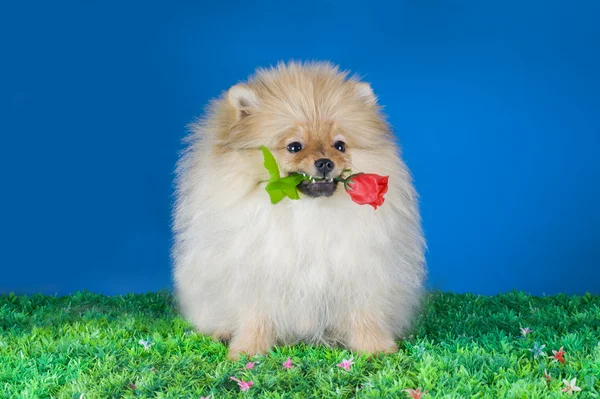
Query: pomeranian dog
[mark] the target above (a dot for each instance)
(321, 269)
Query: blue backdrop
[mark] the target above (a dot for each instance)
(496, 104)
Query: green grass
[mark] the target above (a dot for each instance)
(463, 346)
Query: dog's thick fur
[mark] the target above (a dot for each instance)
(321, 270)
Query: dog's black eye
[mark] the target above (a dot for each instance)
(340, 146)
(294, 147)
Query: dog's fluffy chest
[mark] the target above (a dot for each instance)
(307, 232)
(311, 255)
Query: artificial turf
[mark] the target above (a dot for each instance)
(136, 346)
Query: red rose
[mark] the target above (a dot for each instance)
(367, 188)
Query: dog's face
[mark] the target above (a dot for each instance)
(313, 121)
(319, 151)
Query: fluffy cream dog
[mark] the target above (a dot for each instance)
(321, 269)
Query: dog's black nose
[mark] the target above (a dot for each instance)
(324, 166)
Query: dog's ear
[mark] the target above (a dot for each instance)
(365, 93)
(243, 99)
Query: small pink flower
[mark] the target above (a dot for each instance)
(547, 376)
(346, 364)
(415, 393)
(132, 386)
(153, 370)
(570, 386)
(244, 385)
(558, 355)
(205, 397)
(250, 365)
(525, 331)
(287, 364)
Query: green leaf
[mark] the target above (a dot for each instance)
(284, 187)
(280, 187)
(270, 163)
(275, 192)
(291, 191)
(294, 179)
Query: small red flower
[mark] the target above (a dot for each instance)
(415, 393)
(558, 355)
(367, 188)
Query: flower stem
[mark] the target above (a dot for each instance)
(341, 179)
(348, 180)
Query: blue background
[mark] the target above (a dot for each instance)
(496, 104)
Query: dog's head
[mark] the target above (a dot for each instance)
(312, 117)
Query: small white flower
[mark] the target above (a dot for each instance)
(146, 343)
(525, 331)
(570, 386)
(420, 349)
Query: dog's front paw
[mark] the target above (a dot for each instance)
(255, 337)
(373, 346)
(256, 348)
(221, 336)
(368, 336)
